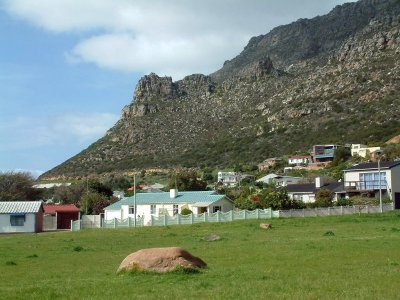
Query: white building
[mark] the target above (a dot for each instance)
(228, 178)
(164, 203)
(370, 178)
(363, 150)
(21, 216)
(297, 160)
(279, 180)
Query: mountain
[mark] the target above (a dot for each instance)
(331, 79)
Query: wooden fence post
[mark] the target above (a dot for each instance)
(129, 221)
(258, 213)
(115, 222)
(245, 214)
(192, 218)
(165, 220)
(232, 215)
(218, 217)
(270, 213)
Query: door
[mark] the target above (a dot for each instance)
(396, 200)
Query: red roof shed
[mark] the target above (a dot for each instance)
(64, 213)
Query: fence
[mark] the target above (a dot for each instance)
(91, 221)
(232, 215)
(214, 217)
(334, 211)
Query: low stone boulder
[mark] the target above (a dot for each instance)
(211, 238)
(265, 226)
(160, 260)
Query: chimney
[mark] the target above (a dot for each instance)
(173, 193)
(318, 182)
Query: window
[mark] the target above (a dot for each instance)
(17, 219)
(370, 181)
(152, 209)
(216, 208)
(131, 210)
(175, 209)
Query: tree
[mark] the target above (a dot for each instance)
(69, 194)
(18, 186)
(187, 180)
(324, 198)
(94, 203)
(341, 155)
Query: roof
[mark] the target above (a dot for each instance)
(164, 198)
(26, 207)
(53, 208)
(374, 165)
(299, 156)
(336, 187)
(274, 176)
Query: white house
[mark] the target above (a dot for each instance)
(307, 192)
(279, 180)
(297, 160)
(370, 178)
(164, 203)
(21, 216)
(228, 178)
(363, 150)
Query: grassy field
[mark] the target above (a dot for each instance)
(349, 257)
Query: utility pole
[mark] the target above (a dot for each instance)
(134, 199)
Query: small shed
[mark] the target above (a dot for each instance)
(21, 216)
(59, 216)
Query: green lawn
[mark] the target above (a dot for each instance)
(294, 260)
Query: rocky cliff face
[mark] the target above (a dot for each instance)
(331, 79)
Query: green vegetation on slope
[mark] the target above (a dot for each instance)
(349, 257)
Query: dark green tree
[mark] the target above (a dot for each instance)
(15, 186)
(324, 198)
(187, 180)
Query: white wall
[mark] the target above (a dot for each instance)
(29, 225)
(305, 197)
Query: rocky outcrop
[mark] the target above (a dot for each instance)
(342, 89)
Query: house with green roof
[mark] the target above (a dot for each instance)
(164, 203)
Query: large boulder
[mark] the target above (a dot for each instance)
(160, 260)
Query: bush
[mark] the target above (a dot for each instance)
(186, 211)
(324, 198)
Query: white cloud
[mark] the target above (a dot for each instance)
(175, 37)
(30, 133)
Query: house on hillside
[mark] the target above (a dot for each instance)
(324, 153)
(307, 192)
(21, 216)
(59, 216)
(370, 178)
(233, 178)
(299, 160)
(279, 180)
(364, 150)
(228, 178)
(167, 203)
(268, 163)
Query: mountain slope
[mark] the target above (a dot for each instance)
(330, 79)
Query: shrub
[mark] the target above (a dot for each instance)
(186, 211)
(324, 198)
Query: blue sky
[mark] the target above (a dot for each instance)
(68, 67)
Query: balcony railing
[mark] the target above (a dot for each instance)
(365, 185)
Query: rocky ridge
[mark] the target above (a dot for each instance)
(277, 97)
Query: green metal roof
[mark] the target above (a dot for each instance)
(164, 198)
